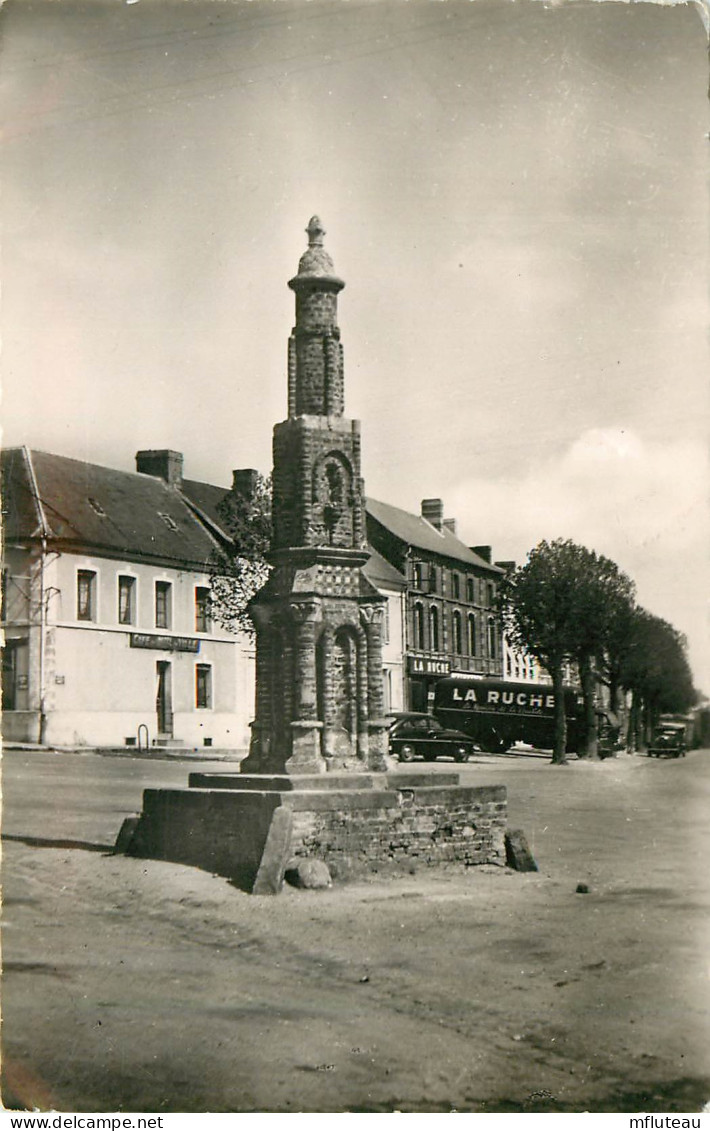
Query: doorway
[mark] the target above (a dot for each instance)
(164, 699)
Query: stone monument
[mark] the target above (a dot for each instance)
(318, 620)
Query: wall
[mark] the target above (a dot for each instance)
(393, 650)
(99, 689)
(428, 827)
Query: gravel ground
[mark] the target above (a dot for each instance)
(137, 985)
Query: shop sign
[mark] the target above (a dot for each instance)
(426, 665)
(164, 643)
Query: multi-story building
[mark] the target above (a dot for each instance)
(451, 622)
(108, 639)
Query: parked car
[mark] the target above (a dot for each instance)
(668, 741)
(609, 740)
(413, 735)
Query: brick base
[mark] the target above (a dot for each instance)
(357, 824)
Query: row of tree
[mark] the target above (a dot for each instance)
(568, 604)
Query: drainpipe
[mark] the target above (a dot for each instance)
(44, 533)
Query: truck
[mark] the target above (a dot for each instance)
(496, 713)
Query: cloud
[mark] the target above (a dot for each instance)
(642, 503)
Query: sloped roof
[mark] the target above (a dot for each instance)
(206, 499)
(21, 515)
(381, 573)
(99, 509)
(415, 531)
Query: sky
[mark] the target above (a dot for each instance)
(515, 193)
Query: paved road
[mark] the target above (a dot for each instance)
(148, 986)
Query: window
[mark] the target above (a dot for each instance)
(471, 590)
(3, 595)
(434, 628)
(491, 637)
(202, 609)
(162, 604)
(126, 600)
(387, 689)
(418, 619)
(203, 685)
(386, 624)
(433, 579)
(86, 595)
(417, 575)
(455, 586)
(458, 634)
(471, 634)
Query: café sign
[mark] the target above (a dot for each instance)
(426, 665)
(164, 643)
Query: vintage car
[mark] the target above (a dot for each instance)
(413, 735)
(668, 741)
(609, 740)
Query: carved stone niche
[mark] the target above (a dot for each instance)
(333, 501)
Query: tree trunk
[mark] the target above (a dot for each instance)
(588, 745)
(614, 693)
(640, 731)
(651, 719)
(559, 753)
(631, 724)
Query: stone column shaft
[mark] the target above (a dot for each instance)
(305, 671)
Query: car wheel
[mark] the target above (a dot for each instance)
(461, 755)
(406, 754)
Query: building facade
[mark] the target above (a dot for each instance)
(451, 623)
(107, 634)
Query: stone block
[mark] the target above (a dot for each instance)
(125, 835)
(517, 852)
(276, 854)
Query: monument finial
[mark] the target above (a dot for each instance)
(315, 231)
(315, 261)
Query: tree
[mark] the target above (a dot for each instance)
(561, 606)
(603, 597)
(238, 568)
(656, 671)
(537, 604)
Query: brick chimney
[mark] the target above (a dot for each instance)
(433, 512)
(162, 463)
(483, 552)
(244, 482)
(450, 524)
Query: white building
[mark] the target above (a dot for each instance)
(108, 641)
